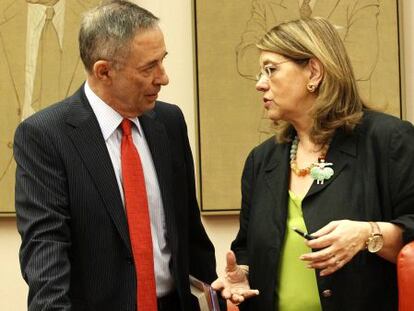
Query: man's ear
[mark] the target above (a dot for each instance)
(316, 71)
(102, 71)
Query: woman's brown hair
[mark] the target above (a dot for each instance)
(338, 104)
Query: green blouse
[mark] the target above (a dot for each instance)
(297, 288)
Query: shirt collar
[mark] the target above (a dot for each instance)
(108, 118)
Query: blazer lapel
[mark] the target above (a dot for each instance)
(88, 140)
(342, 148)
(277, 173)
(277, 182)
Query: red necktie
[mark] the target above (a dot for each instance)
(138, 220)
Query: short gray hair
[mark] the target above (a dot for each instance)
(107, 30)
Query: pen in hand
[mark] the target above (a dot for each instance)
(303, 234)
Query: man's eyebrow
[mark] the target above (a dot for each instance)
(153, 62)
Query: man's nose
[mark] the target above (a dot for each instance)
(161, 76)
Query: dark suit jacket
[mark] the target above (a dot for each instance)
(75, 252)
(373, 180)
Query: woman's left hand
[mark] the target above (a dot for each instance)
(335, 245)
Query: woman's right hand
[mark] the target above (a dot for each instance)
(234, 285)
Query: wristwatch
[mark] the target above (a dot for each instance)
(375, 240)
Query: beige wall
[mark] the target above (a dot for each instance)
(180, 65)
(12, 288)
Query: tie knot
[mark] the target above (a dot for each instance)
(126, 127)
(50, 12)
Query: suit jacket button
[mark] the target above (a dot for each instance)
(130, 260)
(327, 293)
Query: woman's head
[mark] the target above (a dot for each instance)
(314, 45)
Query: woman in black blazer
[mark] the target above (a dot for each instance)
(336, 169)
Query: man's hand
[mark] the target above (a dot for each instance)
(234, 285)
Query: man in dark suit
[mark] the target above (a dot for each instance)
(73, 212)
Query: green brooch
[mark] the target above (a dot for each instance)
(321, 171)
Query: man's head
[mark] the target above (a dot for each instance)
(106, 31)
(123, 50)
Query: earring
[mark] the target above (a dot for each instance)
(311, 87)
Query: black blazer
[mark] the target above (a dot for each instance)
(75, 252)
(373, 180)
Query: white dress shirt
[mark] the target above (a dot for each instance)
(109, 121)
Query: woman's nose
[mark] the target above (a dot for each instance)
(262, 84)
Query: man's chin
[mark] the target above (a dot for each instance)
(149, 105)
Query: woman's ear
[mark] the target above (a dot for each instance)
(316, 72)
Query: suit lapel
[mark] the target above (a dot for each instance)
(158, 143)
(86, 135)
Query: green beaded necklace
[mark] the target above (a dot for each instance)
(319, 171)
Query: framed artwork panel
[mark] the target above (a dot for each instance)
(27, 83)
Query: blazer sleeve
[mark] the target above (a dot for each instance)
(42, 218)
(401, 182)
